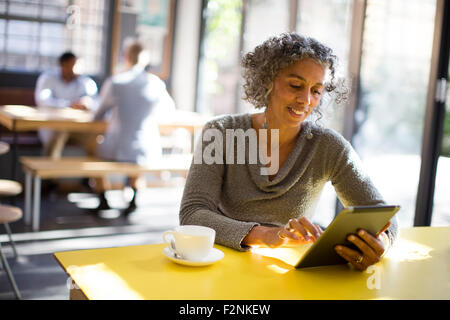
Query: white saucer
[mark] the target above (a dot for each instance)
(214, 256)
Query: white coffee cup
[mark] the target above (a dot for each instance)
(190, 242)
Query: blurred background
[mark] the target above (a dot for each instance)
(393, 55)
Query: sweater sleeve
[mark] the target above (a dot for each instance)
(353, 186)
(201, 197)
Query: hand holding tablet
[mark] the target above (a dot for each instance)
(370, 249)
(351, 237)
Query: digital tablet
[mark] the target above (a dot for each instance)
(349, 220)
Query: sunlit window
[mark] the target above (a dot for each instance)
(219, 64)
(396, 58)
(335, 33)
(33, 33)
(257, 30)
(395, 65)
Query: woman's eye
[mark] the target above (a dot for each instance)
(317, 92)
(296, 86)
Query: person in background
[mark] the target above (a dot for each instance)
(64, 89)
(131, 100)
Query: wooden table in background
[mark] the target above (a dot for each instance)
(188, 120)
(416, 267)
(27, 118)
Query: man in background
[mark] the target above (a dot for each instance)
(132, 100)
(64, 89)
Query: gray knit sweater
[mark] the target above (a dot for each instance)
(233, 198)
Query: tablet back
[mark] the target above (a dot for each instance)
(349, 220)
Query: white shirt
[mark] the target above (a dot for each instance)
(135, 98)
(52, 91)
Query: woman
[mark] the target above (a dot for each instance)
(287, 75)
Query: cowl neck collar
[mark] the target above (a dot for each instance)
(291, 170)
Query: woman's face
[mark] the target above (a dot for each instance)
(297, 90)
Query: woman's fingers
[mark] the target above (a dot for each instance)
(304, 228)
(374, 243)
(284, 234)
(371, 249)
(300, 229)
(319, 229)
(355, 258)
(364, 247)
(313, 230)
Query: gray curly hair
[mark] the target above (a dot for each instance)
(261, 65)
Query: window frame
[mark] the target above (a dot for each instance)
(434, 116)
(16, 78)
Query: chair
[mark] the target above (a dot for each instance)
(9, 188)
(4, 147)
(9, 214)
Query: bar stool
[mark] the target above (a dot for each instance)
(9, 214)
(4, 147)
(9, 188)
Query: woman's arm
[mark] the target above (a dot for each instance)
(199, 206)
(352, 184)
(201, 199)
(354, 188)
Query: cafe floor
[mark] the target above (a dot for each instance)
(68, 224)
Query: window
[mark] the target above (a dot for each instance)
(335, 33)
(385, 45)
(227, 36)
(219, 66)
(257, 30)
(33, 33)
(395, 67)
(152, 23)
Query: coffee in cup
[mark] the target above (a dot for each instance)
(190, 242)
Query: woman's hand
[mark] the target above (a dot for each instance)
(371, 249)
(296, 232)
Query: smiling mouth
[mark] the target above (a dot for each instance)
(297, 113)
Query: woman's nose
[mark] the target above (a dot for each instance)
(304, 97)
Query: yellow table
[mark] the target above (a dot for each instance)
(416, 267)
